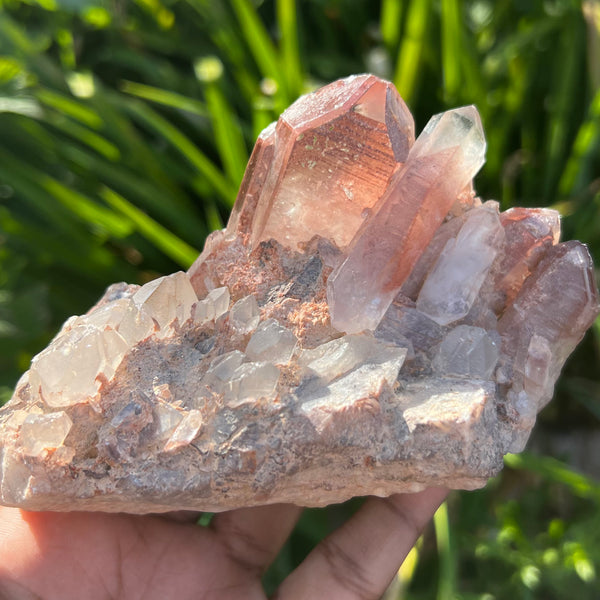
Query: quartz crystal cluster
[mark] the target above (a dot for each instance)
(364, 325)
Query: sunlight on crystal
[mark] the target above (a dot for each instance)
(364, 325)
(41, 432)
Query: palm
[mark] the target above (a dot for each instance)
(99, 556)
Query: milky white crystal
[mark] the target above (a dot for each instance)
(468, 352)
(244, 315)
(185, 432)
(215, 304)
(453, 284)
(352, 390)
(67, 372)
(337, 357)
(223, 367)
(41, 432)
(271, 342)
(167, 298)
(252, 380)
(167, 419)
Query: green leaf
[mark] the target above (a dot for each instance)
(86, 209)
(73, 108)
(186, 148)
(262, 48)
(162, 238)
(287, 20)
(556, 471)
(391, 23)
(228, 135)
(165, 97)
(411, 50)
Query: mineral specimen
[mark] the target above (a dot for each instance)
(364, 325)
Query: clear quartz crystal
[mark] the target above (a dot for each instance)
(455, 280)
(252, 380)
(167, 298)
(167, 418)
(41, 432)
(244, 315)
(133, 323)
(467, 352)
(223, 367)
(337, 357)
(539, 382)
(185, 432)
(212, 307)
(404, 322)
(67, 372)
(271, 342)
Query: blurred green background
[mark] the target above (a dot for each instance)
(125, 127)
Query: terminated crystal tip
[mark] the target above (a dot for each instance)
(341, 142)
(383, 252)
(364, 326)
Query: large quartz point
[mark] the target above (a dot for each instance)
(364, 325)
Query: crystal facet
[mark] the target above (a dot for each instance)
(364, 325)
(453, 284)
(443, 160)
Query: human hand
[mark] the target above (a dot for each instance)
(95, 556)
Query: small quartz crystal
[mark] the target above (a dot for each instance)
(41, 432)
(252, 380)
(212, 307)
(365, 325)
(167, 298)
(271, 342)
(244, 315)
(467, 351)
(453, 283)
(186, 431)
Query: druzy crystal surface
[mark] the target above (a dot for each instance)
(364, 325)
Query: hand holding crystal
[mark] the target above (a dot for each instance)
(69, 556)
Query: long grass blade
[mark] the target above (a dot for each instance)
(186, 148)
(565, 77)
(98, 143)
(411, 49)
(583, 152)
(451, 49)
(287, 19)
(447, 574)
(557, 471)
(226, 128)
(164, 97)
(390, 23)
(175, 248)
(262, 48)
(67, 106)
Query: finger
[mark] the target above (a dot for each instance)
(360, 559)
(253, 536)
